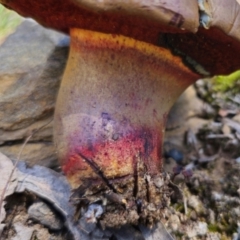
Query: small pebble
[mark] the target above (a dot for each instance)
(198, 229)
(174, 222)
(94, 211)
(22, 232)
(42, 213)
(238, 160)
(175, 154)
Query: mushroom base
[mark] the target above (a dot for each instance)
(110, 117)
(135, 199)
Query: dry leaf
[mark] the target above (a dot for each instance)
(6, 187)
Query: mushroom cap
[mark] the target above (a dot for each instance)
(204, 33)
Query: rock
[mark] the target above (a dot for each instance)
(173, 222)
(211, 216)
(196, 229)
(237, 160)
(42, 213)
(2, 226)
(213, 236)
(42, 130)
(201, 228)
(195, 203)
(236, 118)
(42, 153)
(175, 154)
(236, 236)
(22, 232)
(32, 61)
(43, 233)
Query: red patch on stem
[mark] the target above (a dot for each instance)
(116, 157)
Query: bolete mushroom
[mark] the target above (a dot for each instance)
(128, 63)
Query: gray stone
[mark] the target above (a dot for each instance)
(22, 232)
(213, 236)
(42, 130)
(195, 203)
(238, 160)
(2, 226)
(32, 61)
(43, 233)
(196, 229)
(42, 213)
(42, 153)
(174, 222)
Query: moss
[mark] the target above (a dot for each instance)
(178, 235)
(227, 229)
(226, 83)
(221, 91)
(179, 207)
(213, 228)
(224, 237)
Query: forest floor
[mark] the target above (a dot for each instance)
(202, 139)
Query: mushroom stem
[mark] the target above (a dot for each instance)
(112, 106)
